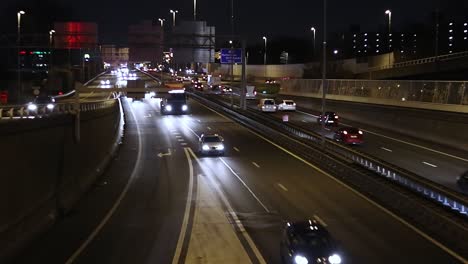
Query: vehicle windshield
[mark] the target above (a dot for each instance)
(211, 139)
(269, 102)
(352, 130)
(289, 102)
(314, 240)
(43, 100)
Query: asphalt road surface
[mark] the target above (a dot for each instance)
(160, 201)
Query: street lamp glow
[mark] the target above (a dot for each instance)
(51, 32)
(162, 21)
(174, 12)
(21, 12)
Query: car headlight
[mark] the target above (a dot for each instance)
(221, 147)
(168, 108)
(360, 132)
(103, 82)
(107, 82)
(50, 106)
(32, 107)
(300, 259)
(152, 94)
(184, 108)
(334, 259)
(205, 147)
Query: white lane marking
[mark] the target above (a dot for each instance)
(320, 220)
(180, 139)
(183, 144)
(255, 164)
(430, 164)
(209, 128)
(191, 130)
(188, 203)
(233, 214)
(386, 149)
(114, 207)
(236, 149)
(402, 141)
(282, 187)
(304, 121)
(178, 136)
(199, 121)
(245, 185)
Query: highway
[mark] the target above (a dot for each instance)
(160, 201)
(437, 163)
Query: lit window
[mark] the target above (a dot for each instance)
(450, 51)
(450, 37)
(377, 51)
(402, 35)
(391, 40)
(415, 35)
(377, 34)
(390, 34)
(354, 35)
(465, 38)
(402, 51)
(377, 40)
(354, 41)
(451, 30)
(354, 47)
(365, 34)
(450, 24)
(450, 45)
(365, 45)
(465, 31)
(377, 45)
(365, 39)
(466, 24)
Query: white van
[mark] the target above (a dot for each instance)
(251, 92)
(267, 105)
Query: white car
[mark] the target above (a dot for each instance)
(287, 105)
(211, 144)
(267, 105)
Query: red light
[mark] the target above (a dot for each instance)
(60, 93)
(31, 52)
(22, 52)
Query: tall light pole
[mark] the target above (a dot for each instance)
(324, 63)
(194, 10)
(265, 55)
(389, 13)
(161, 20)
(313, 31)
(174, 12)
(18, 42)
(51, 42)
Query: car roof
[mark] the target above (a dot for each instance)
(288, 100)
(210, 135)
(307, 227)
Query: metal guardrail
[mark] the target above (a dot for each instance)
(22, 111)
(438, 92)
(445, 57)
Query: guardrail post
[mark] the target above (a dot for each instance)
(1, 113)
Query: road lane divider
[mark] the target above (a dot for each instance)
(236, 149)
(282, 187)
(245, 185)
(429, 164)
(386, 149)
(255, 164)
(188, 208)
(227, 242)
(316, 217)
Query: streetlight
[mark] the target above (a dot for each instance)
(313, 30)
(161, 20)
(51, 38)
(194, 10)
(389, 13)
(265, 55)
(21, 12)
(174, 12)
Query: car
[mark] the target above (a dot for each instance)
(42, 100)
(270, 81)
(197, 85)
(307, 242)
(267, 105)
(349, 135)
(329, 118)
(251, 92)
(462, 182)
(287, 105)
(211, 144)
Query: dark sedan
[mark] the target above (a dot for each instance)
(308, 242)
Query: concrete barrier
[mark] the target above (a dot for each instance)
(44, 171)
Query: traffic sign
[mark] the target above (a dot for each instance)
(231, 55)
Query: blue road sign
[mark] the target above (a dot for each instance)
(231, 55)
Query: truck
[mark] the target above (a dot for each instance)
(138, 86)
(174, 103)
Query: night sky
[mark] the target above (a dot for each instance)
(254, 18)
